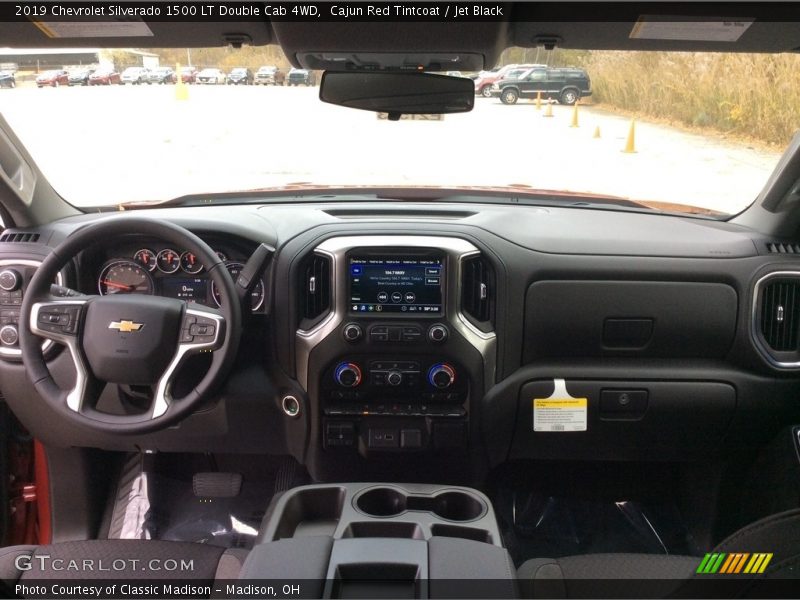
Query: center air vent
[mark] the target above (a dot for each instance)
(477, 291)
(779, 313)
(783, 248)
(314, 290)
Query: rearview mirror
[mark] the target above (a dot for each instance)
(398, 93)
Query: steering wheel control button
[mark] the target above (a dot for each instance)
(9, 335)
(441, 376)
(347, 374)
(352, 332)
(291, 406)
(59, 319)
(10, 280)
(197, 329)
(438, 333)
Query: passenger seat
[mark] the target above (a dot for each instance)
(658, 576)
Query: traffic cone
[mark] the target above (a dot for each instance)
(630, 144)
(549, 110)
(574, 122)
(538, 100)
(596, 134)
(181, 89)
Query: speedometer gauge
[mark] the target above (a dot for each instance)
(124, 277)
(256, 295)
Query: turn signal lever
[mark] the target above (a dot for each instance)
(248, 277)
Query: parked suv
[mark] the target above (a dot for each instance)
(161, 75)
(301, 77)
(485, 79)
(269, 75)
(239, 76)
(565, 85)
(134, 75)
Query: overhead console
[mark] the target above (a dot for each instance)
(405, 348)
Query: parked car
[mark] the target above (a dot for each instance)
(485, 79)
(565, 85)
(239, 76)
(188, 74)
(161, 75)
(52, 78)
(301, 77)
(134, 75)
(210, 77)
(7, 79)
(269, 75)
(104, 77)
(79, 77)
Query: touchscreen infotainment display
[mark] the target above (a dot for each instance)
(399, 285)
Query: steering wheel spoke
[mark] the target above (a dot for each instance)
(61, 321)
(202, 330)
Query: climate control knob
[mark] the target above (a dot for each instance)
(438, 333)
(441, 376)
(9, 335)
(394, 378)
(10, 280)
(347, 374)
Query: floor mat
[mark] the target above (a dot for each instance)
(155, 500)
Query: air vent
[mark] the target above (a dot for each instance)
(783, 248)
(477, 290)
(315, 290)
(19, 236)
(780, 314)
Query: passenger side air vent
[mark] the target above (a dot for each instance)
(780, 313)
(783, 248)
(19, 236)
(314, 290)
(477, 291)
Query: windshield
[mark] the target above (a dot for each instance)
(677, 131)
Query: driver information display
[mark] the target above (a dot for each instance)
(396, 285)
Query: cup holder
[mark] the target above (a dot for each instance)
(452, 505)
(382, 502)
(457, 506)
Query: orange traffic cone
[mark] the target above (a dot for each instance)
(596, 134)
(630, 144)
(181, 89)
(538, 100)
(549, 110)
(574, 122)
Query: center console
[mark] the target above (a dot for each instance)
(399, 364)
(359, 540)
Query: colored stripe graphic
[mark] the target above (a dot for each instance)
(734, 563)
(728, 563)
(740, 563)
(715, 562)
(703, 563)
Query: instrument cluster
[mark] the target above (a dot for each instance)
(169, 272)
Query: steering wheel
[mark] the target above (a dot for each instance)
(127, 338)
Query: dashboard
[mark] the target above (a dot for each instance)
(398, 338)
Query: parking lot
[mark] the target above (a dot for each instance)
(102, 145)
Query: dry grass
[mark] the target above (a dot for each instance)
(754, 96)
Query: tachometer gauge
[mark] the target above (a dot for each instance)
(168, 261)
(124, 277)
(256, 294)
(190, 264)
(146, 258)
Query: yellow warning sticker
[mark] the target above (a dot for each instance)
(559, 414)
